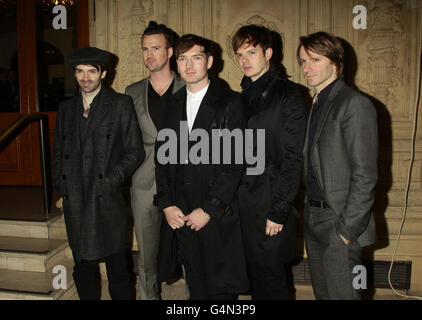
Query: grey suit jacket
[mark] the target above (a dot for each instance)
(344, 153)
(144, 177)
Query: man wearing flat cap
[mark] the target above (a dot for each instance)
(97, 146)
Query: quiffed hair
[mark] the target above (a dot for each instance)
(155, 28)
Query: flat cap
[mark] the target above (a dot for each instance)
(88, 55)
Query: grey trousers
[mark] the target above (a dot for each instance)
(147, 228)
(331, 261)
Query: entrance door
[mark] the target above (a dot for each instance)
(34, 76)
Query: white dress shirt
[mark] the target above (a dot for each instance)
(193, 102)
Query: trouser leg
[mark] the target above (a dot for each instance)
(269, 283)
(316, 268)
(147, 228)
(331, 261)
(87, 279)
(339, 261)
(120, 284)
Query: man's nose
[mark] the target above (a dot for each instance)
(306, 68)
(243, 59)
(189, 62)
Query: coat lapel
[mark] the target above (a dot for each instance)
(206, 112)
(329, 104)
(103, 107)
(77, 114)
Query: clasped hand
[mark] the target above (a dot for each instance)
(196, 220)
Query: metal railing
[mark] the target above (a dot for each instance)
(14, 130)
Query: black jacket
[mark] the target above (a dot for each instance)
(210, 187)
(89, 175)
(276, 105)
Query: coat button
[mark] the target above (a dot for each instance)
(64, 177)
(65, 197)
(64, 137)
(108, 136)
(101, 177)
(66, 156)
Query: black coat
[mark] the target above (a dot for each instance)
(280, 110)
(211, 187)
(89, 176)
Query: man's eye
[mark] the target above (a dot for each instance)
(181, 59)
(238, 55)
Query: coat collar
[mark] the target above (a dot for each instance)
(265, 85)
(106, 99)
(208, 107)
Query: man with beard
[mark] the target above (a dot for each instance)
(150, 96)
(97, 146)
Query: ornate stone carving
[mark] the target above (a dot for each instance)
(386, 31)
(132, 26)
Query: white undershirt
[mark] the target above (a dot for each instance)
(193, 102)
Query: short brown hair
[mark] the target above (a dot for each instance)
(254, 35)
(325, 44)
(186, 42)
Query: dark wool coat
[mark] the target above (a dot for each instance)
(279, 108)
(89, 175)
(210, 187)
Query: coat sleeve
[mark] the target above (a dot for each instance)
(58, 151)
(223, 188)
(288, 174)
(132, 145)
(360, 134)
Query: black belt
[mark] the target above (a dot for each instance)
(317, 203)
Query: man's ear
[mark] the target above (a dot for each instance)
(210, 62)
(103, 75)
(170, 52)
(268, 53)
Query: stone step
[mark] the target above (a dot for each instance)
(53, 228)
(26, 285)
(31, 254)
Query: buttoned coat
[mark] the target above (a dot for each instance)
(281, 112)
(344, 153)
(89, 174)
(212, 187)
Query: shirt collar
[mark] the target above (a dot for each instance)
(323, 95)
(197, 95)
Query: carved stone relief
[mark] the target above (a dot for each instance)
(132, 23)
(384, 76)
